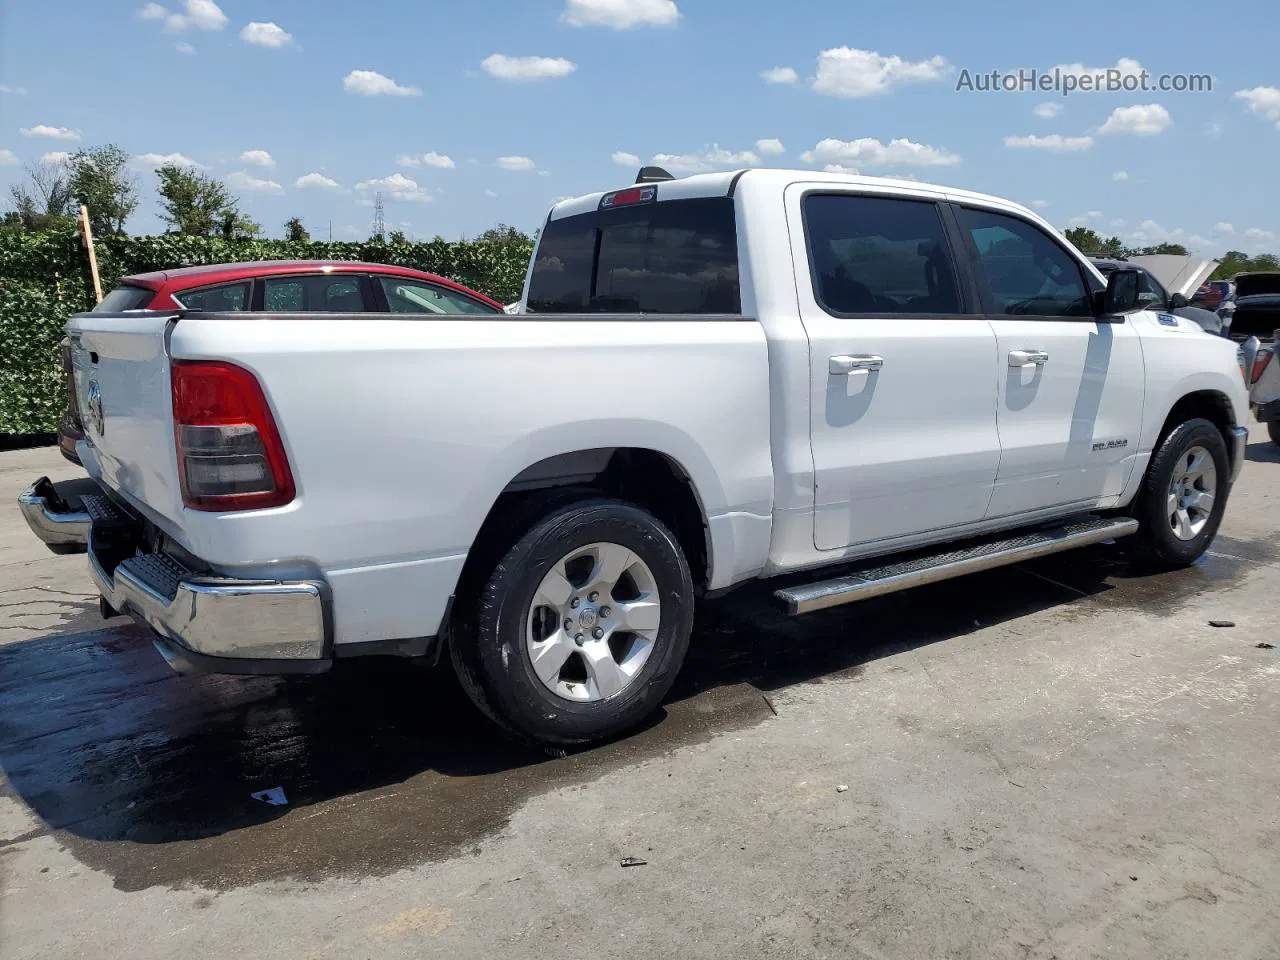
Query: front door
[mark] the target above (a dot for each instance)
(902, 368)
(1071, 387)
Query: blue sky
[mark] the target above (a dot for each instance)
(469, 113)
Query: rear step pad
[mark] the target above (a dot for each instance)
(862, 583)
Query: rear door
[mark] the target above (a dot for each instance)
(1071, 389)
(902, 367)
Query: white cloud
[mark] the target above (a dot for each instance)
(709, 158)
(53, 133)
(1264, 101)
(1047, 111)
(244, 181)
(1120, 176)
(1084, 218)
(157, 160)
(7, 158)
(1054, 142)
(771, 147)
(1257, 233)
(56, 156)
(1039, 204)
(869, 152)
(848, 72)
(525, 69)
(515, 163)
(432, 159)
(840, 168)
(267, 34)
(397, 187)
(1119, 224)
(780, 75)
(15, 91)
(1223, 227)
(1126, 67)
(1143, 120)
(544, 173)
(620, 14)
(185, 48)
(199, 14)
(491, 193)
(370, 83)
(624, 159)
(316, 181)
(259, 158)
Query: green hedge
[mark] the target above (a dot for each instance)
(44, 280)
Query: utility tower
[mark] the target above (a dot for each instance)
(379, 218)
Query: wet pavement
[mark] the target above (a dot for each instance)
(144, 778)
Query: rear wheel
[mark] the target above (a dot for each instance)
(579, 630)
(1184, 496)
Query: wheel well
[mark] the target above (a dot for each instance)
(644, 477)
(1206, 404)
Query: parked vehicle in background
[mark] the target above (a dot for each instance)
(1257, 326)
(844, 385)
(1213, 294)
(1165, 282)
(276, 286)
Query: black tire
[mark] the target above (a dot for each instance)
(1273, 431)
(488, 640)
(1155, 544)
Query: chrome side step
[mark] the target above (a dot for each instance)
(878, 577)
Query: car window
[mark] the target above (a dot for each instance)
(669, 256)
(225, 298)
(879, 255)
(1026, 271)
(415, 296)
(313, 294)
(125, 297)
(1150, 294)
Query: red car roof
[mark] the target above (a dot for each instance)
(184, 278)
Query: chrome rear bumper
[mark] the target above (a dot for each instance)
(204, 623)
(54, 515)
(1239, 447)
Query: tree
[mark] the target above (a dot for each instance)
(1174, 249)
(100, 180)
(45, 202)
(194, 204)
(1091, 244)
(503, 233)
(234, 225)
(294, 230)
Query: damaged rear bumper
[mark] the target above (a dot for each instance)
(55, 512)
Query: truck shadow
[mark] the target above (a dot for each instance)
(147, 776)
(1264, 452)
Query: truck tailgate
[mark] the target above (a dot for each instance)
(120, 366)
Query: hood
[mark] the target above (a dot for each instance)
(1256, 284)
(1177, 274)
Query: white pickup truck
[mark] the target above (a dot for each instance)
(853, 385)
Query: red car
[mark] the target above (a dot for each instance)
(278, 286)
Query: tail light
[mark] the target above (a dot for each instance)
(1260, 364)
(230, 456)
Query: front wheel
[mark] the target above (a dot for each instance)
(1184, 496)
(578, 632)
(1273, 430)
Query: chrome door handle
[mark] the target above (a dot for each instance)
(1024, 358)
(845, 365)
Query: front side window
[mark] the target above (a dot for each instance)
(1027, 273)
(879, 255)
(225, 298)
(415, 296)
(672, 257)
(326, 293)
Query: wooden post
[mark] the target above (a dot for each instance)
(86, 234)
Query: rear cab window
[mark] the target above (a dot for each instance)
(125, 297)
(662, 257)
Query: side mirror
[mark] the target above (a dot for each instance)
(1121, 295)
(1177, 301)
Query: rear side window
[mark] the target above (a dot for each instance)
(125, 297)
(879, 255)
(227, 298)
(318, 294)
(673, 256)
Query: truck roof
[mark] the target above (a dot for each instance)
(725, 183)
